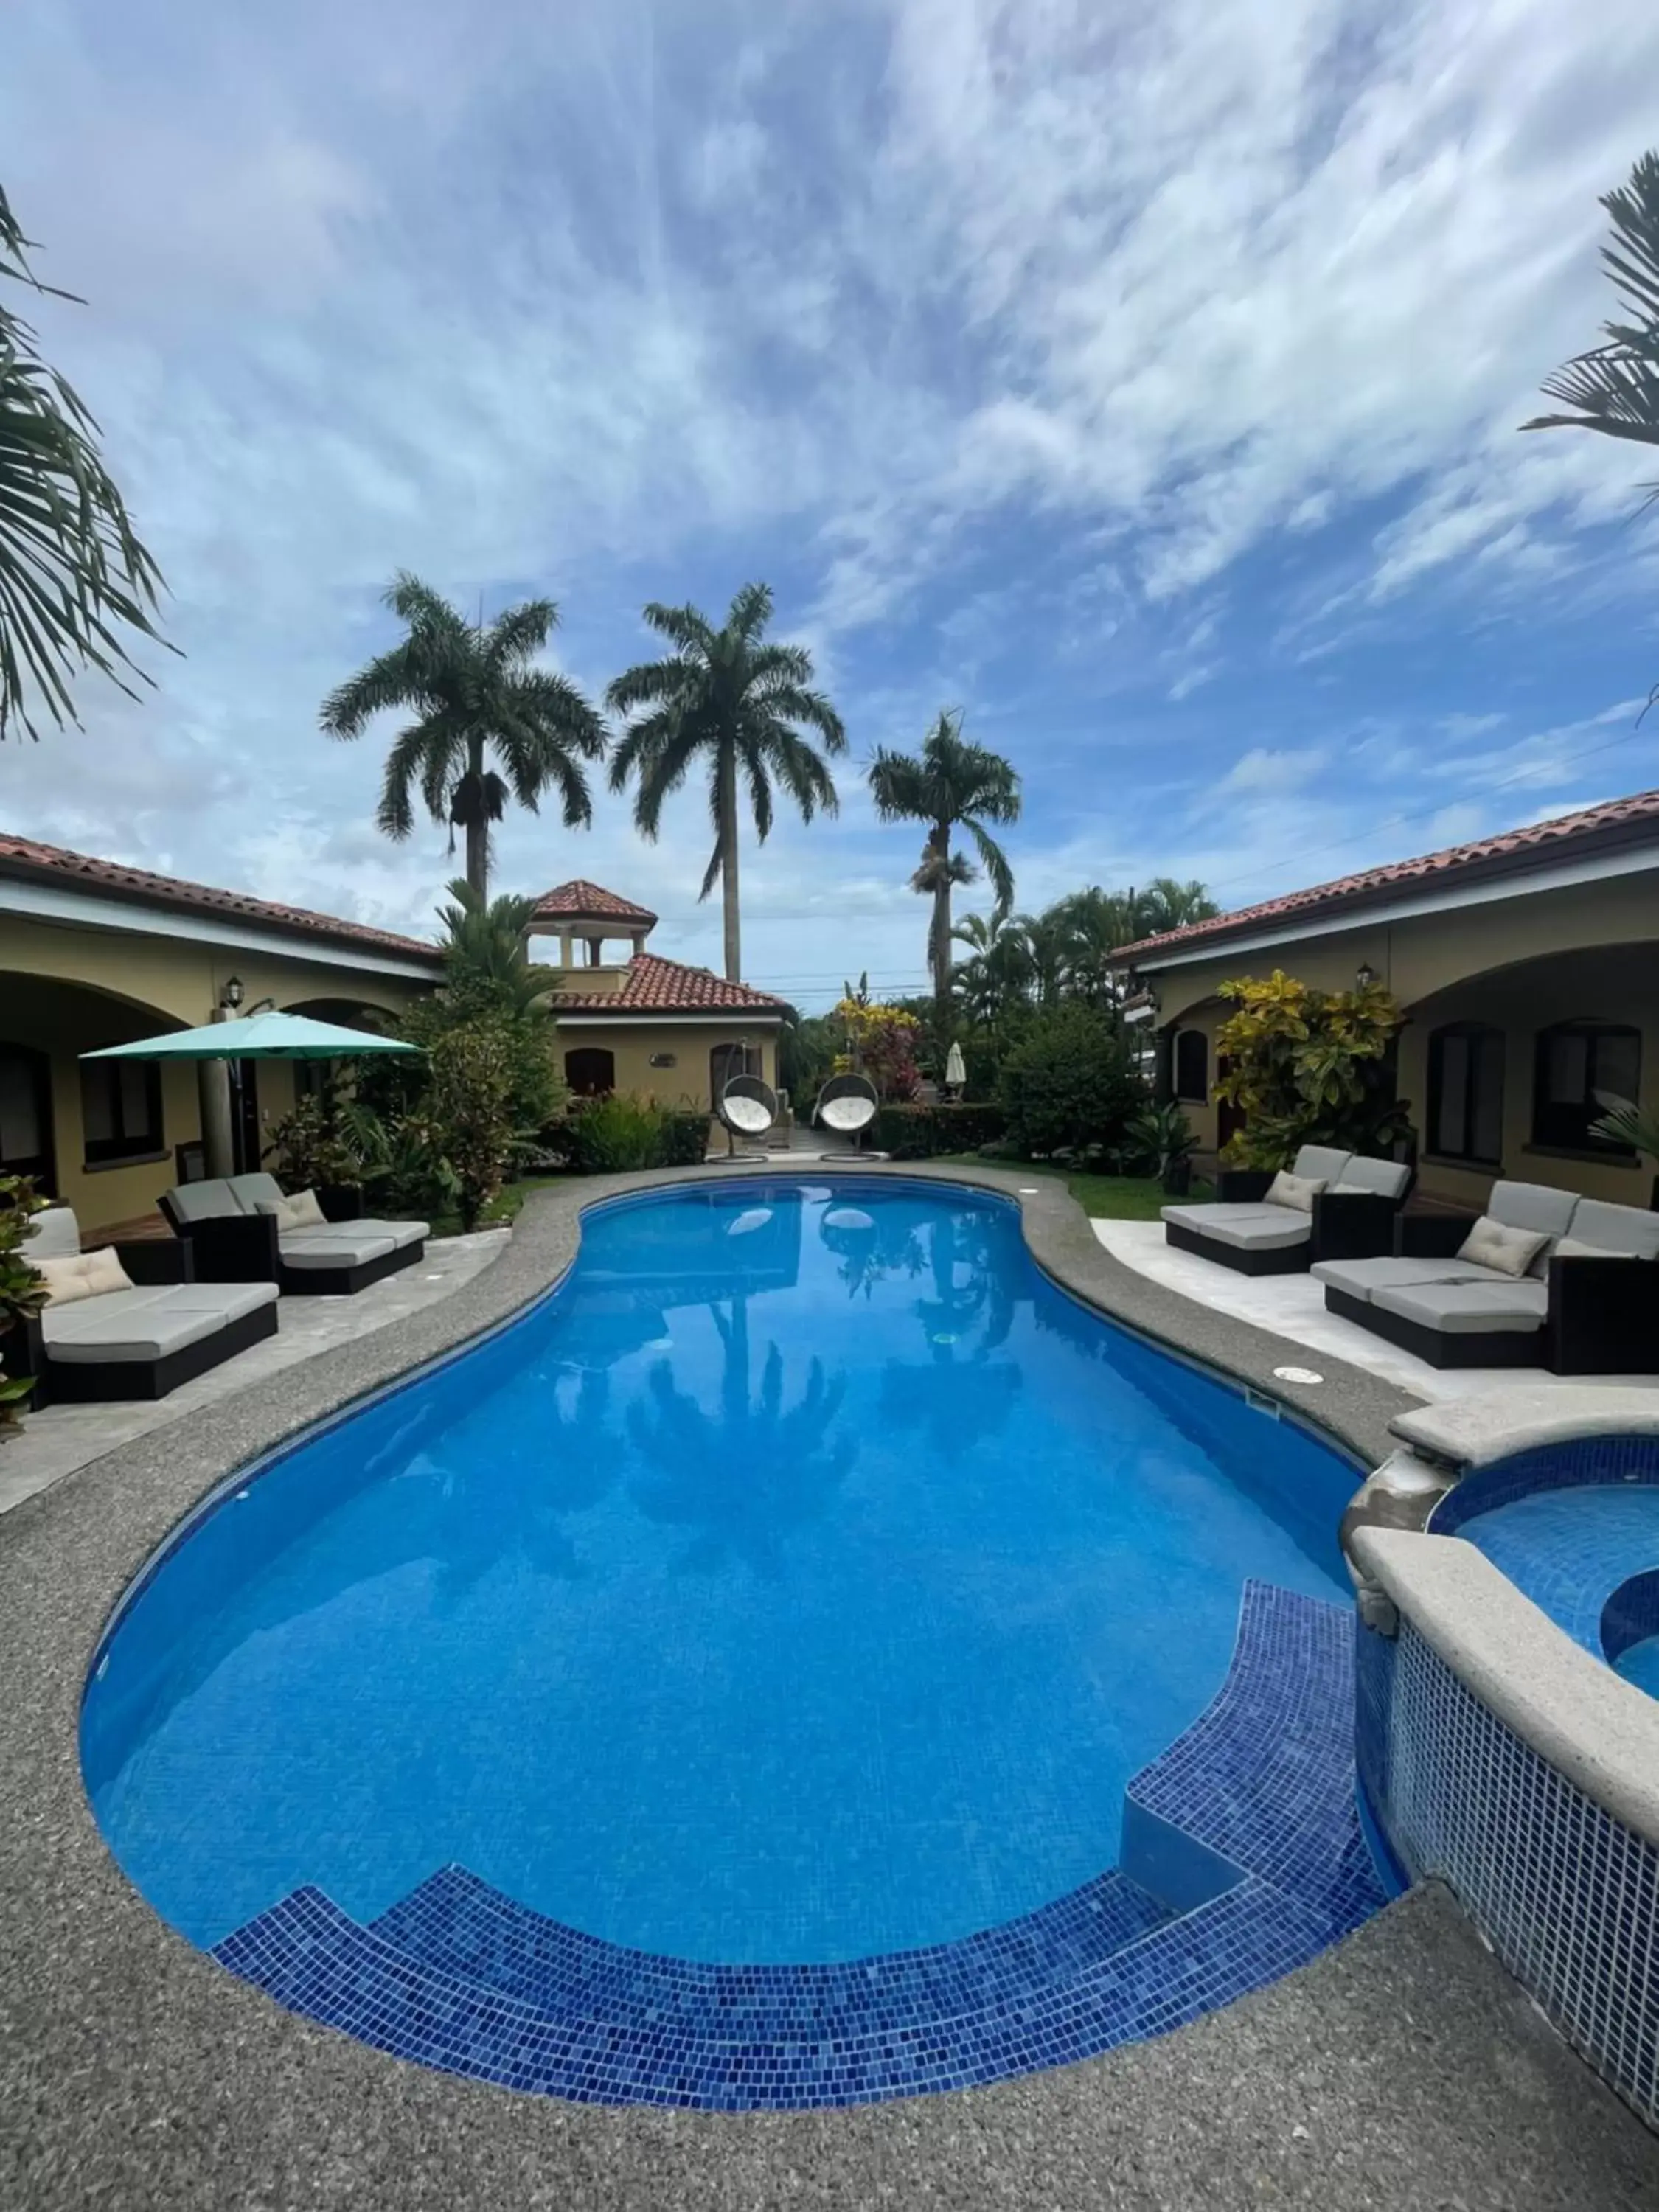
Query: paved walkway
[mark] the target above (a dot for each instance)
(53, 1444)
(1293, 1306)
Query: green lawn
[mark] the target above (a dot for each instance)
(1103, 1198)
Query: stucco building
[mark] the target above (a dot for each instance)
(94, 953)
(1528, 964)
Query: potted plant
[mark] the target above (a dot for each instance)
(1162, 1136)
(1624, 1123)
(22, 1293)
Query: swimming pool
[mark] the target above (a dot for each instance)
(802, 1581)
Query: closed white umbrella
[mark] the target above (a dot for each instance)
(956, 1069)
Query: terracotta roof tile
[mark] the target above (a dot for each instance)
(1619, 821)
(580, 900)
(26, 856)
(653, 985)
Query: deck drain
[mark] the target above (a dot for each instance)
(1030, 1190)
(1298, 1375)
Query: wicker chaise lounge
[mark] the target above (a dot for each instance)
(154, 1326)
(237, 1231)
(1352, 1212)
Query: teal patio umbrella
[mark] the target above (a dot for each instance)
(269, 1035)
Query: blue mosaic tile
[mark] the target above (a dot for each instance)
(1545, 1466)
(463, 1926)
(458, 1977)
(1265, 1778)
(1567, 1895)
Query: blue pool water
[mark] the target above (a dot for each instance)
(1570, 1550)
(803, 1579)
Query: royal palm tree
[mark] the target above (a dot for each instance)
(1614, 388)
(473, 693)
(736, 701)
(72, 571)
(950, 785)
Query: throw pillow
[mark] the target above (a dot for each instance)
(1574, 1247)
(1298, 1192)
(86, 1275)
(303, 1210)
(1505, 1251)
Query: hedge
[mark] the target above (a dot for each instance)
(917, 1132)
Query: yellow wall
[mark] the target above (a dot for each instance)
(687, 1082)
(66, 990)
(1521, 964)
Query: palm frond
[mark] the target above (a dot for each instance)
(73, 572)
(682, 626)
(516, 634)
(1613, 388)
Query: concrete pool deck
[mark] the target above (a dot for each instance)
(1402, 2069)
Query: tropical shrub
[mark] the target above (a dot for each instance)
(881, 1043)
(467, 1117)
(1159, 1140)
(1308, 1066)
(1068, 1084)
(23, 1292)
(620, 1132)
(310, 1148)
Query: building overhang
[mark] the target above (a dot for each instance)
(1383, 913)
(68, 906)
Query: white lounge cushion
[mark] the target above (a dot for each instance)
(204, 1201)
(402, 1233)
(303, 1210)
(1298, 1192)
(53, 1234)
(1469, 1309)
(136, 1324)
(336, 1249)
(1197, 1215)
(253, 1193)
(82, 1275)
(1506, 1251)
(1601, 1226)
(230, 1301)
(1249, 1228)
(1323, 1163)
(847, 1115)
(1381, 1178)
(1363, 1278)
(1536, 1206)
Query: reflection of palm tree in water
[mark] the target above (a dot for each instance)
(747, 1477)
(890, 1245)
(964, 1323)
(516, 1497)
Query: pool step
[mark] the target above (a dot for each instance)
(1243, 1858)
(1262, 1782)
(312, 1957)
(462, 1926)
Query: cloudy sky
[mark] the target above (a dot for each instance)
(1143, 380)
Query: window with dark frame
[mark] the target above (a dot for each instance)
(1580, 1067)
(120, 1109)
(1466, 1093)
(1192, 1068)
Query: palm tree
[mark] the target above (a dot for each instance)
(483, 948)
(473, 692)
(1614, 388)
(1165, 904)
(951, 785)
(729, 696)
(997, 972)
(71, 566)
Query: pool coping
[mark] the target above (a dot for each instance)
(144, 2073)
